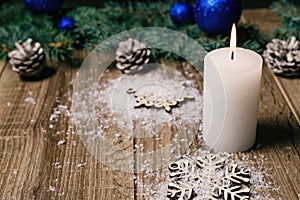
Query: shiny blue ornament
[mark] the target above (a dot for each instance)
(66, 24)
(182, 13)
(217, 16)
(44, 6)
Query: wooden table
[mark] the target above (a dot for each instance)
(33, 166)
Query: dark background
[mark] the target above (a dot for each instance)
(245, 3)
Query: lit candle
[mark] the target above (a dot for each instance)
(232, 78)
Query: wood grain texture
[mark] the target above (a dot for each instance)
(2, 65)
(33, 166)
(264, 18)
(278, 132)
(290, 88)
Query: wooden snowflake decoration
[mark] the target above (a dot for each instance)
(235, 192)
(210, 162)
(208, 178)
(178, 169)
(237, 175)
(180, 190)
(152, 95)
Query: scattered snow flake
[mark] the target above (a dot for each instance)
(15, 171)
(30, 100)
(81, 165)
(52, 188)
(57, 165)
(61, 142)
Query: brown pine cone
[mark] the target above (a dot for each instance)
(27, 60)
(131, 55)
(283, 57)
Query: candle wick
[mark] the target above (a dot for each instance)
(232, 55)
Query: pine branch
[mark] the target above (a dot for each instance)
(290, 15)
(93, 25)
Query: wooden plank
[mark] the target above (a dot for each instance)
(33, 166)
(2, 65)
(181, 137)
(278, 132)
(290, 88)
(264, 18)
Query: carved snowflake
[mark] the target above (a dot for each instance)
(210, 162)
(158, 96)
(235, 192)
(180, 190)
(209, 178)
(237, 175)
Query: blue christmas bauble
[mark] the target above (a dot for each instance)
(43, 6)
(182, 13)
(217, 16)
(66, 24)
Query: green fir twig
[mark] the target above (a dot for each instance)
(290, 15)
(93, 25)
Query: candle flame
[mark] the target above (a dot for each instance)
(233, 42)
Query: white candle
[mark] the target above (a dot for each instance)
(232, 78)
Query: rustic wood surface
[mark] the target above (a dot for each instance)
(290, 88)
(33, 166)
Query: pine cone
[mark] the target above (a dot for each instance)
(283, 57)
(27, 60)
(131, 55)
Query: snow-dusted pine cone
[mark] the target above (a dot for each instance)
(283, 57)
(27, 59)
(131, 55)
